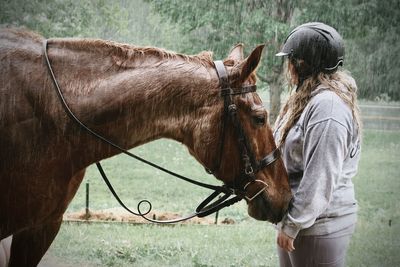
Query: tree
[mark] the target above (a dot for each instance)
(218, 25)
(370, 29)
(121, 20)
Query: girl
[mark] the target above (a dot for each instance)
(318, 131)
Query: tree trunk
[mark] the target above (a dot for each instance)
(275, 87)
(275, 100)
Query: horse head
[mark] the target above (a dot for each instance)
(244, 155)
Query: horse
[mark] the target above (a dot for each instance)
(131, 95)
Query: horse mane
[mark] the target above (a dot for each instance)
(125, 52)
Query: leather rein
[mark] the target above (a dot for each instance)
(231, 193)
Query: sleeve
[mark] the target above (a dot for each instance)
(324, 151)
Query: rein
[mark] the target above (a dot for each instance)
(231, 194)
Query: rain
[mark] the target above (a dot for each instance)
(371, 33)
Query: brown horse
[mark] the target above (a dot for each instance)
(130, 95)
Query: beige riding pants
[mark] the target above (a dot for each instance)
(318, 250)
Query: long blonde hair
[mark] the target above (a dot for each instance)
(298, 100)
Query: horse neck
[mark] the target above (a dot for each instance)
(137, 101)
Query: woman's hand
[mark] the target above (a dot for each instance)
(285, 241)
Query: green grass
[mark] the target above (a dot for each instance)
(376, 241)
(135, 181)
(246, 243)
(153, 245)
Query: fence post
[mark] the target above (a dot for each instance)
(87, 202)
(216, 218)
(216, 214)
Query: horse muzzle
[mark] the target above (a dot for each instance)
(261, 207)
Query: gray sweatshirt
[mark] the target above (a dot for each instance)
(321, 155)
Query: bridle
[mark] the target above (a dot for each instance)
(251, 166)
(231, 193)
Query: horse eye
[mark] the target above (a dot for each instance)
(259, 120)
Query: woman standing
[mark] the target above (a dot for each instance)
(319, 131)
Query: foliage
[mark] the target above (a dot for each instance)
(370, 27)
(372, 31)
(218, 25)
(121, 20)
(375, 63)
(57, 18)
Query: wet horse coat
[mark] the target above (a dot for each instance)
(131, 96)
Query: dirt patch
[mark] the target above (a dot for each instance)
(120, 215)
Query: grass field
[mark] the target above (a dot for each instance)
(245, 243)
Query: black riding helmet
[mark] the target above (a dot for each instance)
(318, 44)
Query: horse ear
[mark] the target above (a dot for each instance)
(251, 62)
(236, 53)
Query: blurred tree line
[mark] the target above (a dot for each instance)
(370, 28)
(129, 21)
